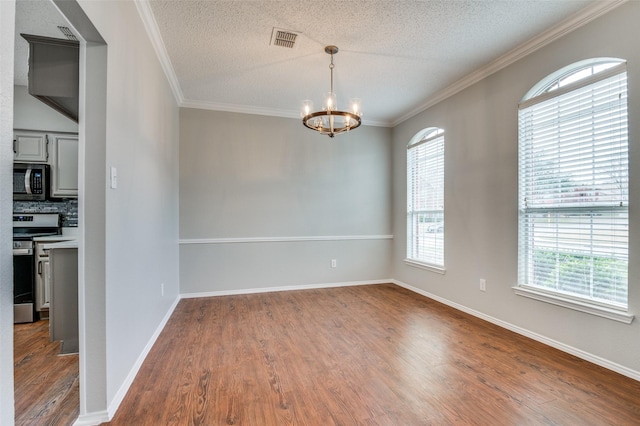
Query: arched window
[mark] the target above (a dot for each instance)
(574, 186)
(425, 199)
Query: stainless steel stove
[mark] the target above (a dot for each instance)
(27, 226)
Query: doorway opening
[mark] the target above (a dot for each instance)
(90, 361)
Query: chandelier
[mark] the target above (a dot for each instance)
(330, 120)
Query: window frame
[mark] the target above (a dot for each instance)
(423, 138)
(543, 92)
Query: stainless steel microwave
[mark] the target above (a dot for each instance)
(30, 181)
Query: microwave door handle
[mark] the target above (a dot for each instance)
(27, 181)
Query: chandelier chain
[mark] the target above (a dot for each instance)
(331, 68)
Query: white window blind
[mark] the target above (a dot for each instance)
(425, 199)
(574, 190)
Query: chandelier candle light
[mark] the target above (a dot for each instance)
(331, 121)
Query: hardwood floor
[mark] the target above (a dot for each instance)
(46, 384)
(369, 355)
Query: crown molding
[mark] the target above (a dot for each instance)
(150, 24)
(570, 24)
(243, 109)
(375, 123)
(271, 112)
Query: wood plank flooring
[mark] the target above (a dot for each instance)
(367, 355)
(46, 384)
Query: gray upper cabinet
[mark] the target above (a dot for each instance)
(64, 165)
(30, 147)
(59, 150)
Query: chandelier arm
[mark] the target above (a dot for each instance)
(352, 122)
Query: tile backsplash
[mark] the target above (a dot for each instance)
(68, 209)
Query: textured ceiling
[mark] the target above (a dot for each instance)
(394, 55)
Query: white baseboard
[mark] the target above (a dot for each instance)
(283, 288)
(92, 419)
(122, 392)
(530, 334)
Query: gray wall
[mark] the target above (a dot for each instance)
(481, 172)
(31, 114)
(7, 28)
(247, 177)
(131, 233)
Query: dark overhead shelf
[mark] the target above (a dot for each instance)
(54, 73)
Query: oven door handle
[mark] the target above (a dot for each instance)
(23, 252)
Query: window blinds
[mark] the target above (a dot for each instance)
(425, 200)
(574, 190)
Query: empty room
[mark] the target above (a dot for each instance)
(332, 213)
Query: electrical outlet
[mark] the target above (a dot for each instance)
(483, 284)
(162, 289)
(334, 263)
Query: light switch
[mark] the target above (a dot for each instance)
(114, 178)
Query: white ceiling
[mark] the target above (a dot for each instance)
(394, 55)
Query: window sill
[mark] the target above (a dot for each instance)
(425, 266)
(559, 300)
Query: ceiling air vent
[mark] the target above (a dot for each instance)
(67, 33)
(284, 38)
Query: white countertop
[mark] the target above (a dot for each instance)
(62, 244)
(68, 239)
(54, 238)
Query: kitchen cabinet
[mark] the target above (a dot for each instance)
(30, 147)
(43, 285)
(64, 165)
(63, 316)
(46, 286)
(43, 278)
(59, 150)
